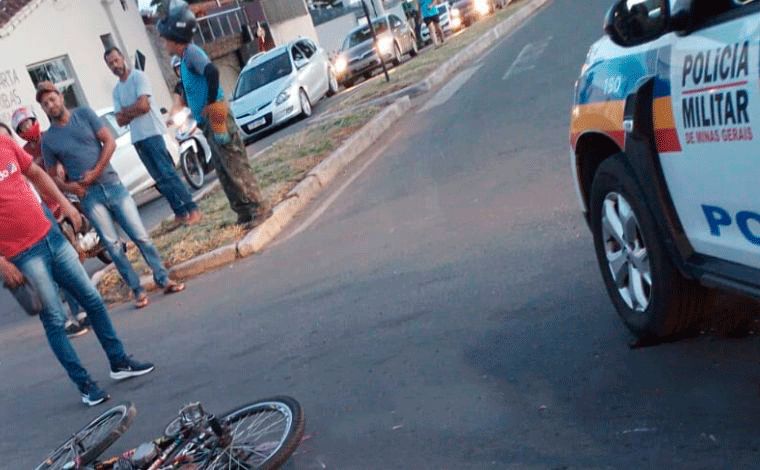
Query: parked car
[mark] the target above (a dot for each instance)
(450, 22)
(665, 142)
(279, 85)
(125, 160)
(359, 56)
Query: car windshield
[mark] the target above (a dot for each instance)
(263, 74)
(364, 34)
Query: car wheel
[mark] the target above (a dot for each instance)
(396, 56)
(306, 110)
(649, 294)
(414, 50)
(348, 82)
(367, 75)
(332, 82)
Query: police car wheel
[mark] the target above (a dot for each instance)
(649, 294)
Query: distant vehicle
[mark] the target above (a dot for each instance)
(281, 84)
(359, 56)
(450, 22)
(125, 159)
(665, 142)
(470, 11)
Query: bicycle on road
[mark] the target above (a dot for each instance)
(260, 435)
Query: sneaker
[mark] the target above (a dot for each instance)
(74, 330)
(84, 320)
(93, 395)
(130, 368)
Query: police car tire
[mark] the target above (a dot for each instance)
(676, 304)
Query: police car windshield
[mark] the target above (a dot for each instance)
(263, 74)
(364, 34)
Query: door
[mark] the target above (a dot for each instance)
(400, 32)
(309, 74)
(712, 163)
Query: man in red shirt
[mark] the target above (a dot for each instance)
(34, 251)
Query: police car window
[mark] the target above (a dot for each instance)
(716, 11)
(395, 22)
(298, 54)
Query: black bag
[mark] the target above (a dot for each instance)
(28, 297)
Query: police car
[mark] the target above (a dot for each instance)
(665, 137)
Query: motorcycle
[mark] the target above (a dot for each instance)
(195, 153)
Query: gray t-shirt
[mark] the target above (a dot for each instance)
(76, 146)
(126, 93)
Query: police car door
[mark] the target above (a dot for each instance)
(715, 178)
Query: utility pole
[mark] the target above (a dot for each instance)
(377, 7)
(374, 40)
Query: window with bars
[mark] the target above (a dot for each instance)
(60, 72)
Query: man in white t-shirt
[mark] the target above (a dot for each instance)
(134, 107)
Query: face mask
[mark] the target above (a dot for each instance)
(32, 134)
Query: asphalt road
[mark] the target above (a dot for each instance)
(439, 308)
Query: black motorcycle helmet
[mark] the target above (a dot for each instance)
(180, 24)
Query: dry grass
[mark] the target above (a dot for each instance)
(278, 170)
(420, 67)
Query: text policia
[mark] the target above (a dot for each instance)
(716, 101)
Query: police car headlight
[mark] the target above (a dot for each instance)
(385, 45)
(282, 97)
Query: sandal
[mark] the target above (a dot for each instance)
(142, 301)
(174, 287)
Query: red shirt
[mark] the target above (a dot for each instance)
(22, 221)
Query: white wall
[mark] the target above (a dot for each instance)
(290, 30)
(334, 32)
(72, 28)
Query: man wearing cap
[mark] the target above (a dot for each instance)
(79, 141)
(134, 107)
(33, 251)
(205, 98)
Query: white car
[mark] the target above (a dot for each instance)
(665, 137)
(281, 84)
(125, 160)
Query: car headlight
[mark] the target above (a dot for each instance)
(282, 97)
(341, 64)
(385, 45)
(482, 7)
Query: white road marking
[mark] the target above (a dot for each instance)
(450, 89)
(527, 58)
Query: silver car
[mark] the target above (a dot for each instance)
(359, 56)
(281, 84)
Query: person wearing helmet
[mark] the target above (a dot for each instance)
(135, 107)
(205, 98)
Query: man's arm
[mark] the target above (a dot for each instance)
(45, 184)
(137, 109)
(106, 152)
(12, 277)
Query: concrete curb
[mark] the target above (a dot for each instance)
(320, 176)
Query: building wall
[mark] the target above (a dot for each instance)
(333, 33)
(72, 28)
(292, 29)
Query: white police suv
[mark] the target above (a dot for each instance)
(665, 136)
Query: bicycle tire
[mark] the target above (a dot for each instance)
(290, 440)
(123, 413)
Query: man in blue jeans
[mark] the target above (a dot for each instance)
(134, 107)
(80, 142)
(33, 250)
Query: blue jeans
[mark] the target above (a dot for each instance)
(106, 205)
(158, 162)
(54, 261)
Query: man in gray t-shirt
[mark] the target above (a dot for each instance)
(80, 141)
(134, 107)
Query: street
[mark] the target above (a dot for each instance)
(440, 306)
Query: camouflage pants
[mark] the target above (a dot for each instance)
(234, 171)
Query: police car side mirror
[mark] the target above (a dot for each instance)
(300, 63)
(633, 22)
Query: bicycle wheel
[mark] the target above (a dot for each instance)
(264, 435)
(92, 440)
